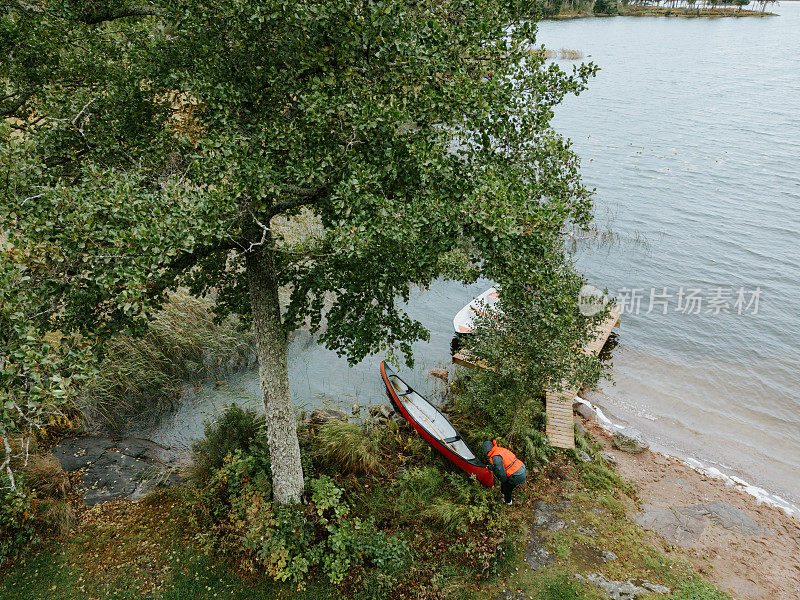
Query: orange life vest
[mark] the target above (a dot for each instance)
(510, 462)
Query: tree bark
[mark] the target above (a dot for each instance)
(284, 448)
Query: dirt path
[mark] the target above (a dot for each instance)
(753, 550)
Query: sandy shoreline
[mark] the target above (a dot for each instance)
(747, 547)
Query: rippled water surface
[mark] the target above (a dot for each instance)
(691, 135)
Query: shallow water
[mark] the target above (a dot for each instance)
(691, 135)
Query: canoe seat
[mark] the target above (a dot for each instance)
(399, 385)
(450, 440)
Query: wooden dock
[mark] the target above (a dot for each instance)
(560, 430)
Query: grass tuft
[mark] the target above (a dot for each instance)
(347, 446)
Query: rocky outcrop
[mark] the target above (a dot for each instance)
(623, 590)
(683, 525)
(114, 468)
(630, 440)
(608, 457)
(545, 518)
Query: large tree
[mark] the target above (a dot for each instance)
(147, 147)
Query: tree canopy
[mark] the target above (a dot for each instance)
(150, 147)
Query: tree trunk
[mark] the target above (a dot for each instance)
(284, 449)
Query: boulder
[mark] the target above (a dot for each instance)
(630, 440)
(319, 416)
(580, 430)
(584, 456)
(77, 453)
(676, 526)
(586, 411)
(608, 556)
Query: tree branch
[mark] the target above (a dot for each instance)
(113, 14)
(302, 197)
(24, 96)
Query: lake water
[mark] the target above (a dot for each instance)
(691, 135)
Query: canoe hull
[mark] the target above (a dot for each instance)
(481, 472)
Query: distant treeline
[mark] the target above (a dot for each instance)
(613, 7)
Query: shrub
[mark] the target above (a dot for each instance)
(236, 429)
(52, 512)
(601, 477)
(532, 446)
(449, 501)
(236, 517)
(348, 447)
(16, 522)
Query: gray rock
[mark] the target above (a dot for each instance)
(536, 553)
(587, 531)
(683, 525)
(143, 449)
(116, 467)
(608, 457)
(620, 590)
(77, 453)
(381, 412)
(509, 595)
(608, 556)
(726, 516)
(584, 456)
(672, 524)
(656, 588)
(545, 516)
(319, 416)
(586, 411)
(630, 440)
(580, 430)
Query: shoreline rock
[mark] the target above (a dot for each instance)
(630, 440)
(117, 467)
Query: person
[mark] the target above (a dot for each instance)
(506, 467)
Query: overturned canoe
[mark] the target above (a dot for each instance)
(433, 426)
(462, 322)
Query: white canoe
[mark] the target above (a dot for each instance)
(462, 323)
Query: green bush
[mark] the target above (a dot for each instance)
(600, 477)
(236, 429)
(448, 501)
(16, 522)
(236, 518)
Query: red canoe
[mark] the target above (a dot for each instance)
(432, 425)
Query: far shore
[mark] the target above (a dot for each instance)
(663, 11)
